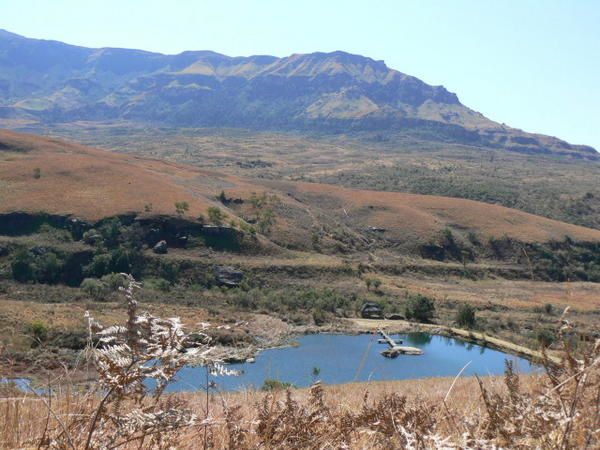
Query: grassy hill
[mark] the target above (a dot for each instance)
(61, 178)
(546, 185)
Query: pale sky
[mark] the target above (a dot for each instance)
(532, 64)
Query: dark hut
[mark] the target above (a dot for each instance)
(371, 310)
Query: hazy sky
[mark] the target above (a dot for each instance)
(533, 64)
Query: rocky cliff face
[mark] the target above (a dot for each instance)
(51, 81)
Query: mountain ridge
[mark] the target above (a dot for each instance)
(335, 92)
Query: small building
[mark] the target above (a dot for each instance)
(371, 310)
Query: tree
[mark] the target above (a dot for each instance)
(465, 317)
(372, 282)
(181, 208)
(215, 216)
(420, 308)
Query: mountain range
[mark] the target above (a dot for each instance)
(45, 81)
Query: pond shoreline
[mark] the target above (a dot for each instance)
(474, 337)
(356, 326)
(371, 326)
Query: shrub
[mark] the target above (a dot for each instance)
(99, 266)
(111, 231)
(95, 288)
(118, 260)
(375, 283)
(181, 208)
(275, 385)
(266, 220)
(45, 268)
(215, 216)
(22, 266)
(465, 317)
(113, 281)
(38, 332)
(49, 268)
(160, 284)
(319, 317)
(169, 270)
(545, 337)
(420, 308)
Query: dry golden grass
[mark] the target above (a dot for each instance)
(418, 215)
(23, 417)
(92, 184)
(514, 294)
(455, 410)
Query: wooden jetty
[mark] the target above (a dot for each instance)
(395, 348)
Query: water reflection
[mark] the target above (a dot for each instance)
(417, 339)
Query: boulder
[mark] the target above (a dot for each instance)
(160, 248)
(38, 250)
(228, 276)
(3, 250)
(395, 316)
(92, 237)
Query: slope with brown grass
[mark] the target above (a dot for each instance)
(92, 184)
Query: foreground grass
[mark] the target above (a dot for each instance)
(429, 413)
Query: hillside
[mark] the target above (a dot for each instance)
(309, 254)
(50, 82)
(91, 184)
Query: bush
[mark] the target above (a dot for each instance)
(38, 332)
(465, 317)
(275, 385)
(45, 268)
(374, 282)
(118, 260)
(545, 337)
(99, 266)
(181, 208)
(215, 216)
(420, 308)
(169, 270)
(95, 288)
(22, 267)
(110, 232)
(160, 284)
(49, 268)
(113, 281)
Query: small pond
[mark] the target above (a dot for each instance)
(23, 384)
(348, 358)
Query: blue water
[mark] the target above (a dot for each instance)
(23, 384)
(348, 358)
